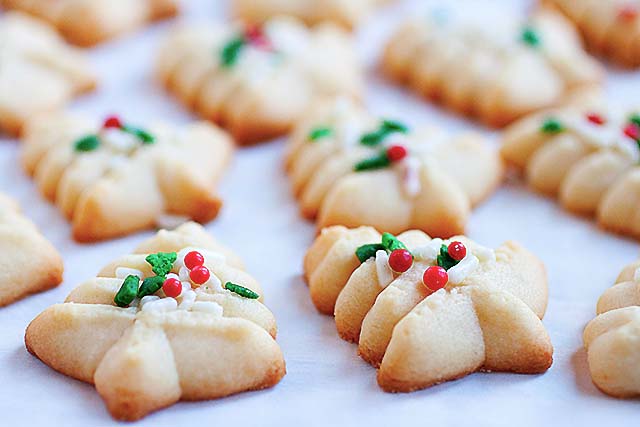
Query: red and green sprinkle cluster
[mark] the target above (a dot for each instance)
(92, 142)
(161, 264)
(401, 259)
(253, 35)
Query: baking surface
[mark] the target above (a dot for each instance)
(327, 383)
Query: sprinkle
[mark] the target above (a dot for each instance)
(213, 283)
(183, 274)
(142, 135)
(241, 290)
(161, 263)
(87, 143)
(147, 299)
(319, 133)
(127, 292)
(386, 128)
(391, 242)
(123, 272)
(632, 130)
(162, 304)
(383, 271)
(430, 251)
(365, 252)
(635, 118)
(208, 307)
(552, 125)
(187, 299)
(596, 119)
(460, 271)
(231, 51)
(379, 161)
(150, 286)
(530, 37)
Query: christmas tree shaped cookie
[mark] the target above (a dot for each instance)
(612, 339)
(177, 320)
(496, 70)
(609, 27)
(88, 22)
(428, 310)
(257, 80)
(28, 262)
(39, 72)
(343, 12)
(349, 168)
(587, 157)
(113, 178)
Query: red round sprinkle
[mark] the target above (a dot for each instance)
(193, 259)
(400, 260)
(112, 122)
(435, 278)
(256, 36)
(596, 118)
(172, 287)
(396, 153)
(628, 13)
(632, 130)
(457, 250)
(200, 275)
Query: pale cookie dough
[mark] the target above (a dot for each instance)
(39, 72)
(28, 262)
(347, 13)
(350, 168)
(421, 332)
(609, 27)
(495, 71)
(257, 81)
(612, 339)
(145, 350)
(586, 157)
(89, 22)
(112, 179)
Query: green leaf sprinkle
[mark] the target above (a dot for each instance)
(391, 242)
(128, 291)
(379, 161)
(365, 252)
(87, 143)
(241, 290)
(161, 262)
(231, 51)
(444, 259)
(552, 125)
(320, 132)
(386, 128)
(144, 136)
(635, 118)
(150, 286)
(530, 37)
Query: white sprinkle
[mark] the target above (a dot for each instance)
(124, 272)
(119, 141)
(183, 273)
(162, 304)
(213, 283)
(428, 252)
(167, 221)
(187, 299)
(636, 275)
(463, 269)
(186, 286)
(384, 272)
(208, 307)
(411, 179)
(147, 299)
(173, 276)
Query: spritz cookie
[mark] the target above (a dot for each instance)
(256, 81)
(177, 320)
(426, 311)
(496, 70)
(347, 13)
(39, 72)
(350, 168)
(609, 27)
(89, 22)
(612, 339)
(586, 157)
(28, 262)
(114, 178)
